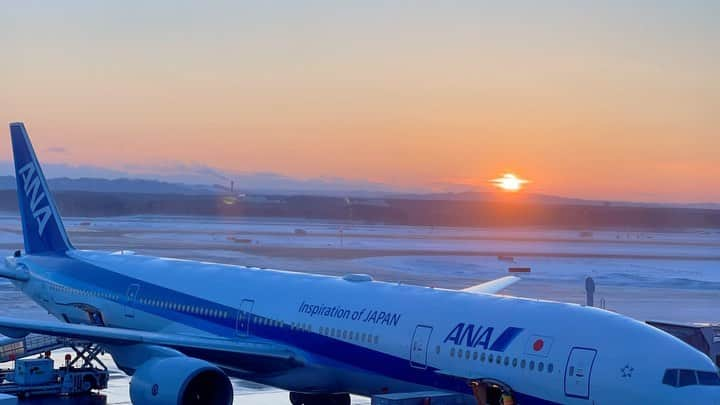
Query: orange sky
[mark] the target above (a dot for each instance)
(602, 101)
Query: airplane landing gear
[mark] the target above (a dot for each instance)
(297, 398)
(491, 393)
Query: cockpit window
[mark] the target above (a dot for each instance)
(670, 377)
(687, 377)
(683, 378)
(708, 378)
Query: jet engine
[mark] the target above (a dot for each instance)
(180, 381)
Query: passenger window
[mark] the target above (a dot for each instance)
(522, 363)
(532, 365)
(687, 377)
(475, 355)
(482, 356)
(467, 355)
(541, 366)
(452, 352)
(550, 368)
(507, 361)
(514, 363)
(490, 358)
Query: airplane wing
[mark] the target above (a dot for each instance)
(494, 286)
(17, 328)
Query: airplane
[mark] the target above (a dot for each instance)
(182, 328)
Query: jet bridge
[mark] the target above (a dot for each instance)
(705, 337)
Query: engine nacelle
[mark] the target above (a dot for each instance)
(180, 381)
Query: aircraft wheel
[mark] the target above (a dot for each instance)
(296, 398)
(494, 396)
(340, 399)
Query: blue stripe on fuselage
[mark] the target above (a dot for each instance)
(504, 340)
(78, 274)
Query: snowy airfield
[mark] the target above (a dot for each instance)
(671, 276)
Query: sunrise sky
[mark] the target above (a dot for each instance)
(592, 99)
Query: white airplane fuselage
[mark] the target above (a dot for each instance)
(367, 337)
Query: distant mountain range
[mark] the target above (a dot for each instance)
(146, 186)
(119, 186)
(544, 199)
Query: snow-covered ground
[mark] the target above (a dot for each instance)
(647, 275)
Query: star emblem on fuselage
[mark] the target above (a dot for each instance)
(627, 371)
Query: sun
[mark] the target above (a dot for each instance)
(509, 182)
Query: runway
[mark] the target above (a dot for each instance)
(647, 275)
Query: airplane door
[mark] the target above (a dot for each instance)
(131, 295)
(578, 371)
(419, 346)
(242, 326)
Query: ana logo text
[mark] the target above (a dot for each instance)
(474, 336)
(35, 194)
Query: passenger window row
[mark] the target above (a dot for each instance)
(173, 306)
(682, 378)
(190, 309)
(85, 293)
(258, 320)
(344, 334)
(498, 359)
(306, 327)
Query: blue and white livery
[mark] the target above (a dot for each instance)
(180, 328)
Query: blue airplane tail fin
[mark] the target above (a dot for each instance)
(43, 230)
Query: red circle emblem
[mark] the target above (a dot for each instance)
(538, 345)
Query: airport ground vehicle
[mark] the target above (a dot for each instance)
(36, 376)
